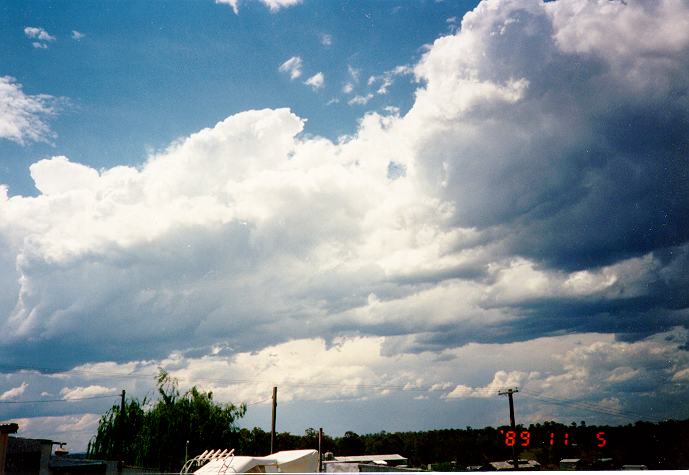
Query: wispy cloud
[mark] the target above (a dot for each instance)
(317, 81)
(273, 5)
(360, 100)
(234, 4)
(354, 73)
(39, 34)
(326, 39)
(387, 79)
(22, 117)
(452, 24)
(77, 35)
(292, 66)
(276, 5)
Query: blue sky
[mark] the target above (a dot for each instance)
(410, 204)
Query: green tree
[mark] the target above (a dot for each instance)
(155, 435)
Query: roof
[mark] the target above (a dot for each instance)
(370, 458)
(66, 462)
(508, 465)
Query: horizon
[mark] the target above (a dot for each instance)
(389, 210)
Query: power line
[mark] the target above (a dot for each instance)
(586, 406)
(257, 402)
(579, 404)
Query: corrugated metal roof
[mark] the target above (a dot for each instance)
(370, 458)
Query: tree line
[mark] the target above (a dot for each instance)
(162, 434)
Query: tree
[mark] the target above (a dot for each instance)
(155, 435)
(351, 444)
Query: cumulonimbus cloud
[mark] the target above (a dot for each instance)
(543, 193)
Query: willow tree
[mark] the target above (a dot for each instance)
(155, 434)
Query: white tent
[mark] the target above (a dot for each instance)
(286, 461)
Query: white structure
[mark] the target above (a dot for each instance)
(224, 462)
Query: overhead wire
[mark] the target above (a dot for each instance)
(258, 402)
(587, 406)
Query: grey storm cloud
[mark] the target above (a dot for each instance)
(589, 165)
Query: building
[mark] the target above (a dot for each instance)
(23, 456)
(365, 463)
(574, 464)
(5, 431)
(34, 457)
(508, 465)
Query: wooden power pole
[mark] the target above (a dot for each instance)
(272, 425)
(320, 449)
(509, 394)
(121, 428)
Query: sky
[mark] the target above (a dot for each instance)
(389, 210)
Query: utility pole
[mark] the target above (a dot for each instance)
(121, 428)
(272, 425)
(509, 393)
(320, 449)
